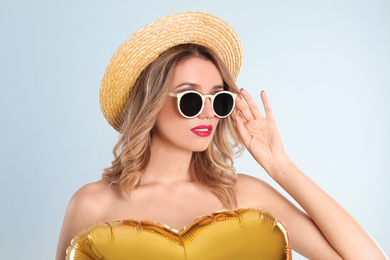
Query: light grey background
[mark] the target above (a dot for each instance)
(324, 65)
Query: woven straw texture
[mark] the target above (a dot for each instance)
(144, 46)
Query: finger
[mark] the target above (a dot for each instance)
(244, 109)
(240, 124)
(252, 104)
(267, 105)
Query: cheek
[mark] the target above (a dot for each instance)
(168, 117)
(168, 112)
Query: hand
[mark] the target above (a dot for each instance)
(259, 134)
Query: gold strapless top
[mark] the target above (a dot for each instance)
(241, 234)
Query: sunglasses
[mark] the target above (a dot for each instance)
(191, 103)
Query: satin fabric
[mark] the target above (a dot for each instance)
(231, 234)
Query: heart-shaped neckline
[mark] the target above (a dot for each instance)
(244, 233)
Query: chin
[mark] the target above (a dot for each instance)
(201, 148)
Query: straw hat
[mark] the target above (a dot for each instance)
(144, 46)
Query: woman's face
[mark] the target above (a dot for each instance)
(175, 131)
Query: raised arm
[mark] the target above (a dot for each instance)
(334, 223)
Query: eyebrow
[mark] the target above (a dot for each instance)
(194, 85)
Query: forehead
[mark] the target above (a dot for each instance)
(201, 74)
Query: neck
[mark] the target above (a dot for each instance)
(167, 165)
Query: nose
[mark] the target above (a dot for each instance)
(208, 111)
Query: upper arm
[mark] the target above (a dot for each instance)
(80, 213)
(305, 236)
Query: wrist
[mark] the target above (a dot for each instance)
(277, 165)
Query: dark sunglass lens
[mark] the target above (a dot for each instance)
(223, 104)
(190, 104)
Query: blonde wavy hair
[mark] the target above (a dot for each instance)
(213, 168)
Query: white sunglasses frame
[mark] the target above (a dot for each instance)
(204, 97)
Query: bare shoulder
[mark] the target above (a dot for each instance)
(93, 196)
(248, 181)
(84, 199)
(253, 192)
(86, 207)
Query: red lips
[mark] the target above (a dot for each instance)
(202, 130)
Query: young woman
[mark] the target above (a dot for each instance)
(169, 90)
